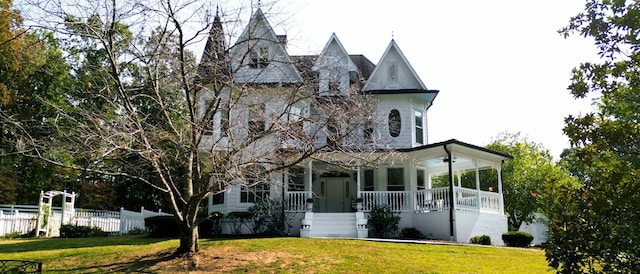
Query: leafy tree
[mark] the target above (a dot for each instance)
(597, 229)
(524, 175)
(32, 70)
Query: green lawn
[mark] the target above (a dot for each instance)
(270, 255)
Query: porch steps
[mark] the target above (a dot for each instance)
(334, 225)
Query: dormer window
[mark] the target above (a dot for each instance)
(259, 58)
(334, 86)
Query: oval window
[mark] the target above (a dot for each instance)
(395, 123)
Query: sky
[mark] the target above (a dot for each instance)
(500, 65)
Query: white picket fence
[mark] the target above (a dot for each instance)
(22, 219)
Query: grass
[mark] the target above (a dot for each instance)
(270, 255)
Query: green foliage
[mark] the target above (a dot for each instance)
(524, 175)
(517, 238)
(411, 233)
(481, 240)
(596, 229)
(268, 218)
(383, 222)
(75, 231)
(162, 226)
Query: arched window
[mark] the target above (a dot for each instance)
(395, 123)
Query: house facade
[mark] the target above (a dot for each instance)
(447, 190)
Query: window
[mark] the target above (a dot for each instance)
(395, 179)
(420, 179)
(224, 122)
(256, 193)
(218, 199)
(395, 123)
(259, 58)
(419, 127)
(256, 189)
(332, 135)
(256, 119)
(368, 133)
(334, 86)
(296, 179)
(368, 180)
(295, 118)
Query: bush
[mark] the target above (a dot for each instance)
(78, 231)
(211, 226)
(162, 226)
(383, 221)
(517, 238)
(481, 240)
(411, 233)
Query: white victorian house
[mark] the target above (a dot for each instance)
(447, 190)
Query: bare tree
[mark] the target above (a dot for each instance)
(143, 109)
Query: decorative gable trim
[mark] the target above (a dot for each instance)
(390, 73)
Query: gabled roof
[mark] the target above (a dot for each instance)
(257, 33)
(393, 58)
(329, 57)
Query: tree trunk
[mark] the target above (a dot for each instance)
(188, 239)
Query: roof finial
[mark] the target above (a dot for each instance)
(217, 9)
(259, 4)
(393, 36)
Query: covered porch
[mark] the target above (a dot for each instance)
(416, 180)
(445, 180)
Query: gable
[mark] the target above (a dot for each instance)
(394, 72)
(259, 55)
(334, 55)
(336, 71)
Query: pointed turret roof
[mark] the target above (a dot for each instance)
(214, 64)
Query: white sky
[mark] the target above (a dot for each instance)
(500, 65)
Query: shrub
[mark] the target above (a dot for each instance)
(12, 235)
(136, 231)
(78, 231)
(162, 226)
(411, 233)
(270, 218)
(517, 238)
(237, 219)
(481, 240)
(211, 225)
(383, 221)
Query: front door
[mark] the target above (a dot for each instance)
(335, 195)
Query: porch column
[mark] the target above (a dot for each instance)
(358, 174)
(500, 189)
(478, 186)
(310, 176)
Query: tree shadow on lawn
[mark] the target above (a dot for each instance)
(143, 264)
(69, 243)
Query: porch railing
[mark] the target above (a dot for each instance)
(426, 200)
(466, 199)
(434, 199)
(397, 200)
(296, 201)
(490, 201)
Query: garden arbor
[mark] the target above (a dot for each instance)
(45, 209)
